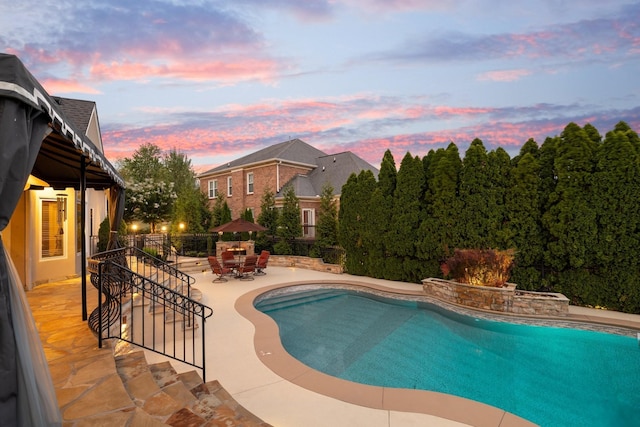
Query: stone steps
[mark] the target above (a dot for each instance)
(170, 398)
(193, 265)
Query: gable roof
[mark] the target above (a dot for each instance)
(294, 151)
(82, 114)
(76, 110)
(333, 169)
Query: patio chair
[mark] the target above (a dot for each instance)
(249, 266)
(218, 270)
(263, 259)
(228, 259)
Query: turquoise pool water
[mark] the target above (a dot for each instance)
(551, 376)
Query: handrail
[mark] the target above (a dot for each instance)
(138, 309)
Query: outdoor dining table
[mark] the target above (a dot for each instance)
(239, 263)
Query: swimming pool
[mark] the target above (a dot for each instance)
(552, 376)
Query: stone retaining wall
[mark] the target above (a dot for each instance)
(505, 299)
(316, 264)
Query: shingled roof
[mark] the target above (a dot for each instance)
(80, 113)
(295, 151)
(334, 169)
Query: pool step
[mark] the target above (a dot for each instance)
(296, 298)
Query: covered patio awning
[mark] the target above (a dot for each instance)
(65, 147)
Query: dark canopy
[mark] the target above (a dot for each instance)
(239, 225)
(35, 138)
(63, 149)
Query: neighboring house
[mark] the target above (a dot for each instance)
(44, 235)
(244, 181)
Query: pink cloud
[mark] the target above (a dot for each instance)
(504, 75)
(60, 86)
(222, 70)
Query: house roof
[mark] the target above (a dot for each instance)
(77, 110)
(83, 114)
(294, 151)
(334, 169)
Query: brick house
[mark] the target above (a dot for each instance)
(244, 181)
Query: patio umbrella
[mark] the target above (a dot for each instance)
(238, 226)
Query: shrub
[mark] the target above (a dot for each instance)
(151, 251)
(480, 267)
(283, 248)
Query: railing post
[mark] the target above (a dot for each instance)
(100, 279)
(204, 346)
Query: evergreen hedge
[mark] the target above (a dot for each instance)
(570, 209)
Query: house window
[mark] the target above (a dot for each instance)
(213, 188)
(229, 187)
(54, 218)
(308, 223)
(250, 183)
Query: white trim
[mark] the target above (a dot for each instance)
(250, 183)
(212, 188)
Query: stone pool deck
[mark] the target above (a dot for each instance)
(254, 384)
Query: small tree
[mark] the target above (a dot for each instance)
(289, 224)
(149, 201)
(247, 215)
(327, 226)
(268, 218)
(104, 231)
(225, 217)
(217, 211)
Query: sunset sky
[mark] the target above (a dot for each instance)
(220, 79)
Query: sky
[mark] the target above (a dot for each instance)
(217, 79)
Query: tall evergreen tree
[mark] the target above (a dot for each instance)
(407, 214)
(529, 147)
(617, 205)
(440, 231)
(380, 209)
(633, 137)
(593, 133)
(571, 219)
(523, 214)
(476, 197)
(499, 168)
(352, 220)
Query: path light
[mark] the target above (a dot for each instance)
(181, 226)
(134, 228)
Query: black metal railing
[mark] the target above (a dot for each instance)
(146, 302)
